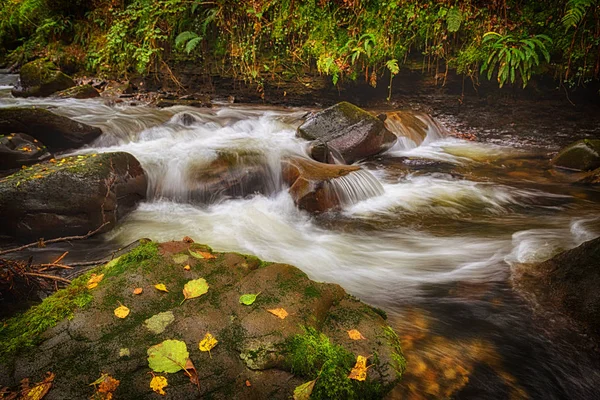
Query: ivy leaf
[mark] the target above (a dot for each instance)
(161, 287)
(208, 343)
(158, 383)
(248, 299)
(194, 288)
(304, 391)
(169, 356)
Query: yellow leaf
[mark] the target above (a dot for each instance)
(359, 372)
(208, 343)
(279, 312)
(304, 391)
(138, 290)
(39, 390)
(94, 280)
(158, 383)
(187, 268)
(161, 287)
(121, 311)
(355, 334)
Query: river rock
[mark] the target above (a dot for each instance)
(55, 131)
(311, 183)
(583, 155)
(347, 131)
(257, 355)
(566, 284)
(79, 92)
(19, 149)
(41, 78)
(71, 196)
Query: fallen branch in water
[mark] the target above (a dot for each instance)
(51, 277)
(42, 243)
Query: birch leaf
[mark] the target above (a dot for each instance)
(194, 288)
(304, 391)
(169, 356)
(121, 311)
(248, 299)
(208, 343)
(94, 280)
(354, 334)
(158, 383)
(161, 287)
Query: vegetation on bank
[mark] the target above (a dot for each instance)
(253, 40)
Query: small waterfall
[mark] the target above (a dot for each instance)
(356, 186)
(413, 129)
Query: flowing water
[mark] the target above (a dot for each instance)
(428, 233)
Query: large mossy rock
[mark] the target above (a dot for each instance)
(55, 131)
(258, 355)
(20, 149)
(345, 131)
(313, 184)
(567, 283)
(583, 155)
(41, 78)
(71, 196)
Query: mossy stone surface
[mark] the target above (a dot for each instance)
(583, 155)
(41, 78)
(253, 344)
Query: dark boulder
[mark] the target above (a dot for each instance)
(567, 283)
(71, 196)
(20, 149)
(347, 131)
(55, 131)
(79, 92)
(583, 155)
(41, 78)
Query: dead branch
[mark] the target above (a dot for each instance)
(57, 240)
(51, 277)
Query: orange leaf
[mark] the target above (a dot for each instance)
(138, 290)
(206, 255)
(94, 280)
(248, 383)
(359, 372)
(279, 312)
(39, 390)
(187, 268)
(355, 335)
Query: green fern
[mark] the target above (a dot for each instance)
(576, 10)
(454, 19)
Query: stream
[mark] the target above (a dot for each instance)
(434, 250)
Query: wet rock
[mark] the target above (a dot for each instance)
(348, 131)
(253, 344)
(190, 101)
(55, 131)
(583, 155)
(115, 89)
(312, 183)
(566, 284)
(79, 92)
(41, 78)
(71, 196)
(19, 149)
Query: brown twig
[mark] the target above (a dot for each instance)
(56, 278)
(59, 259)
(62, 239)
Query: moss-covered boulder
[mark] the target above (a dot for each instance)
(55, 131)
(319, 187)
(79, 92)
(19, 149)
(41, 78)
(583, 155)
(71, 196)
(567, 284)
(76, 335)
(346, 133)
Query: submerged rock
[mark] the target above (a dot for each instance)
(79, 92)
(566, 284)
(71, 196)
(347, 131)
(583, 155)
(19, 149)
(55, 131)
(318, 187)
(258, 355)
(41, 78)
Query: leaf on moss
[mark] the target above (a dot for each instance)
(161, 287)
(208, 343)
(197, 255)
(138, 290)
(354, 334)
(202, 255)
(94, 280)
(249, 298)
(194, 288)
(159, 322)
(304, 391)
(39, 390)
(106, 385)
(279, 312)
(158, 383)
(359, 371)
(121, 311)
(187, 268)
(169, 356)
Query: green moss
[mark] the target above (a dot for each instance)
(312, 355)
(344, 317)
(23, 331)
(379, 312)
(145, 255)
(397, 356)
(311, 291)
